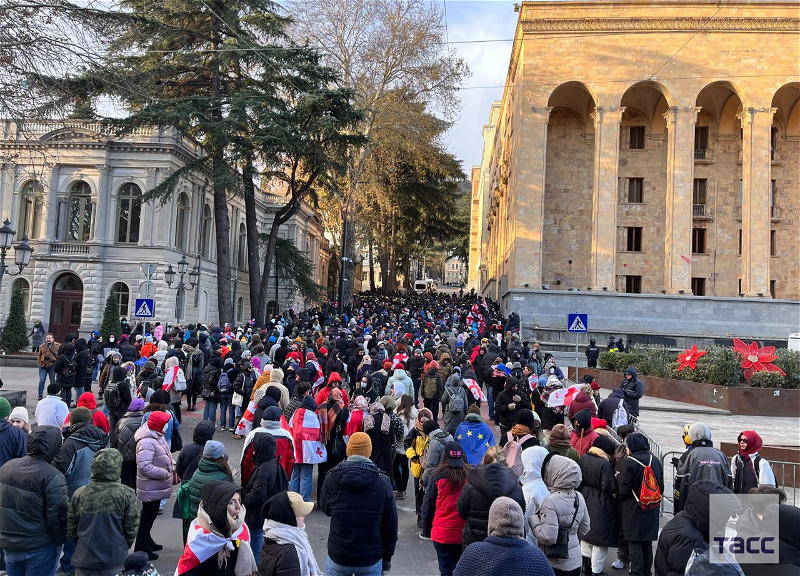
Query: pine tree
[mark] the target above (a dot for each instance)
(111, 323)
(15, 332)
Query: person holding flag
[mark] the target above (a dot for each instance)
(308, 447)
(474, 435)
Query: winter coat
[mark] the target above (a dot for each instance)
(497, 556)
(190, 455)
(562, 477)
(475, 438)
(508, 416)
(746, 476)
(599, 489)
(358, 498)
(267, 480)
(415, 367)
(633, 390)
(74, 460)
(486, 484)
(452, 417)
(212, 377)
(13, 441)
(688, 530)
(244, 383)
(582, 401)
(382, 449)
(278, 559)
(703, 462)
(33, 496)
(284, 454)
(124, 440)
(440, 516)
(83, 360)
(610, 404)
(104, 511)
(637, 525)
(415, 443)
(60, 366)
(207, 470)
(47, 356)
(37, 335)
(401, 377)
(153, 465)
(437, 442)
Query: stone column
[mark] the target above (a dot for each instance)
(756, 173)
(529, 200)
(147, 223)
(51, 211)
(106, 208)
(680, 182)
(604, 205)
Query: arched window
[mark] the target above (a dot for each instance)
(240, 311)
(30, 210)
(79, 221)
(122, 296)
(182, 229)
(22, 285)
(242, 248)
(130, 210)
(205, 233)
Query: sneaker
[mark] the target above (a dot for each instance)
(618, 565)
(400, 496)
(423, 537)
(224, 428)
(39, 399)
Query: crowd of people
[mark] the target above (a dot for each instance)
(386, 394)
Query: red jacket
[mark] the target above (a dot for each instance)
(583, 442)
(582, 401)
(283, 456)
(148, 350)
(440, 516)
(324, 393)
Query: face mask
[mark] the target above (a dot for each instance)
(363, 384)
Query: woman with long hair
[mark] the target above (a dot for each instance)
(440, 520)
(407, 413)
(333, 415)
(416, 444)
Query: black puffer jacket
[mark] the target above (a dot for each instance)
(637, 525)
(358, 498)
(486, 484)
(267, 480)
(599, 489)
(191, 453)
(123, 440)
(279, 559)
(688, 530)
(33, 496)
(610, 404)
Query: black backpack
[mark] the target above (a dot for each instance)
(111, 396)
(70, 369)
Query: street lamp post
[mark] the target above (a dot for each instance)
(169, 275)
(22, 251)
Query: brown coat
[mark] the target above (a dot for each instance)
(48, 357)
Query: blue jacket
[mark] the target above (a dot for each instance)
(497, 556)
(358, 497)
(13, 442)
(74, 459)
(475, 438)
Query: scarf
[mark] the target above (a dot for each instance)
(205, 540)
(328, 413)
(369, 418)
(519, 431)
(553, 384)
(297, 537)
(422, 412)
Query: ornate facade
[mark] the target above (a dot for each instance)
(76, 195)
(644, 147)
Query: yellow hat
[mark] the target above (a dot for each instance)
(359, 445)
(299, 506)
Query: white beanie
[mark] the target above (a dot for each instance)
(19, 413)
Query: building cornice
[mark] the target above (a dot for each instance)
(680, 24)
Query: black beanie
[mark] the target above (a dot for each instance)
(429, 426)
(119, 374)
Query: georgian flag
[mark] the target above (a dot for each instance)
(174, 377)
(563, 396)
(245, 425)
(355, 423)
(306, 435)
(399, 358)
(475, 388)
(202, 544)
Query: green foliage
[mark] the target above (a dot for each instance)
(111, 323)
(766, 379)
(295, 269)
(789, 362)
(15, 332)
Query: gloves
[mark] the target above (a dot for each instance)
(516, 398)
(387, 566)
(512, 406)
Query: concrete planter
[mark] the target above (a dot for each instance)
(738, 400)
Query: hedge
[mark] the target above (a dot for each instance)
(720, 365)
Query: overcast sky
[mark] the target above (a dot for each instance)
(468, 23)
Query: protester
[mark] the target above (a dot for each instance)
(308, 447)
(117, 397)
(13, 437)
(191, 453)
(416, 445)
(474, 435)
(561, 444)
(213, 466)
(504, 551)
(359, 500)
(286, 549)
(18, 417)
(454, 401)
(407, 414)
(704, 462)
(271, 424)
(599, 489)
(46, 355)
(534, 489)
(382, 432)
(124, 440)
(434, 454)
(51, 410)
(748, 468)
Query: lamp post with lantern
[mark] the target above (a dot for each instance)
(22, 251)
(169, 276)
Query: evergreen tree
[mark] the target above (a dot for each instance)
(111, 323)
(295, 270)
(15, 332)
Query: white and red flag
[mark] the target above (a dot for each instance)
(563, 396)
(202, 544)
(308, 449)
(475, 388)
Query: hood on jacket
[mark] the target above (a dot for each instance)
(698, 504)
(493, 480)
(582, 421)
(472, 417)
(532, 460)
(400, 374)
(637, 443)
(617, 393)
(203, 432)
(86, 400)
(562, 473)
(44, 443)
(632, 371)
(276, 375)
(511, 382)
(358, 475)
(107, 465)
(216, 496)
(700, 432)
(89, 434)
(279, 509)
(264, 448)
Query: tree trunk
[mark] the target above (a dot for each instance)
(392, 253)
(370, 244)
(224, 296)
(253, 253)
(269, 257)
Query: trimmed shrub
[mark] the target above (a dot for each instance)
(15, 332)
(768, 380)
(111, 321)
(789, 362)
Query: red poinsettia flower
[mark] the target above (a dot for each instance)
(755, 359)
(689, 358)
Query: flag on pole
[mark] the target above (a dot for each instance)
(563, 396)
(475, 388)
(245, 425)
(305, 428)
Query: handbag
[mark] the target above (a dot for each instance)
(237, 399)
(560, 550)
(176, 442)
(337, 449)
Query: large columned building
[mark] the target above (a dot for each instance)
(645, 147)
(76, 194)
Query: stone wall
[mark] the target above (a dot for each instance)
(656, 314)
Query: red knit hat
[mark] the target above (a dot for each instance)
(399, 366)
(323, 350)
(599, 423)
(387, 364)
(158, 420)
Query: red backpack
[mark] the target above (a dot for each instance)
(649, 497)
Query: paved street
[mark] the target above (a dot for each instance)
(660, 419)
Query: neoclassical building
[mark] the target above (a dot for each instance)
(76, 194)
(644, 147)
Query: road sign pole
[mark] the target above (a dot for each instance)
(576, 355)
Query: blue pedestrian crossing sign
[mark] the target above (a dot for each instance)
(145, 308)
(577, 322)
